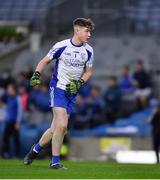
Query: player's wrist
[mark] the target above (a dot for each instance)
(81, 82)
(37, 74)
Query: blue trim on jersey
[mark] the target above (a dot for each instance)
(58, 52)
(75, 44)
(54, 78)
(89, 54)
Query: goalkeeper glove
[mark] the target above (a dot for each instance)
(74, 85)
(35, 79)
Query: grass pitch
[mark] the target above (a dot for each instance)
(11, 169)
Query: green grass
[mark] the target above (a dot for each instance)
(39, 169)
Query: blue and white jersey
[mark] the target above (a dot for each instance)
(71, 61)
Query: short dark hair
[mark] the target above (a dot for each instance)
(84, 23)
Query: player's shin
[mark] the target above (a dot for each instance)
(46, 137)
(57, 141)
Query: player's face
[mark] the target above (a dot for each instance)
(83, 34)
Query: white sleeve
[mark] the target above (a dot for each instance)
(89, 63)
(52, 52)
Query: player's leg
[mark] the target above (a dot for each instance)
(47, 136)
(45, 139)
(61, 120)
(35, 149)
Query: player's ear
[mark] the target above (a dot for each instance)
(76, 29)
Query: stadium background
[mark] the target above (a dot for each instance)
(125, 31)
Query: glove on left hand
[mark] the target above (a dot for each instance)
(74, 85)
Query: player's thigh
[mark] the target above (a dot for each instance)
(58, 98)
(60, 116)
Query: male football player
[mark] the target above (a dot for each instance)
(73, 67)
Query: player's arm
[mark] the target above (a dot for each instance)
(42, 64)
(35, 79)
(51, 55)
(87, 74)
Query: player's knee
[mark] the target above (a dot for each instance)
(63, 126)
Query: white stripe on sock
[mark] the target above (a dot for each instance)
(35, 150)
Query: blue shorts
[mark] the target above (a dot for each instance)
(61, 98)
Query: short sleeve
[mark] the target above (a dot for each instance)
(89, 63)
(52, 52)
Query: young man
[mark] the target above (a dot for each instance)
(73, 67)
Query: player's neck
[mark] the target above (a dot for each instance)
(76, 41)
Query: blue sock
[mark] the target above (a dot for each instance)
(37, 148)
(55, 159)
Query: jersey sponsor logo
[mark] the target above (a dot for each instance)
(73, 62)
